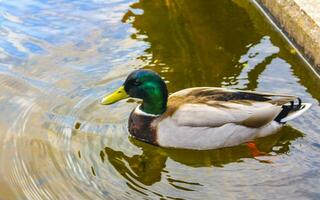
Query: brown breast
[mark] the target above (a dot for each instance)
(141, 127)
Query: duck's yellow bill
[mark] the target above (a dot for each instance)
(115, 96)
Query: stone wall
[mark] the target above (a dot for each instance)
(300, 20)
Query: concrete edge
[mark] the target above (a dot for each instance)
(297, 27)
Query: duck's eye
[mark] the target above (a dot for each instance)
(136, 83)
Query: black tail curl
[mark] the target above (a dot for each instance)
(286, 109)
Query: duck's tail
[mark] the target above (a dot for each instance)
(292, 111)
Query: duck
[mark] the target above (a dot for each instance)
(202, 118)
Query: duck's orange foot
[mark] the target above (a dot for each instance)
(255, 152)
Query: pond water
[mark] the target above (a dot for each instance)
(58, 58)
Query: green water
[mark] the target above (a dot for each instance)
(59, 58)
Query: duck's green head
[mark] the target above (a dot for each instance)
(142, 84)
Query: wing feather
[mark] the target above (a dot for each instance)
(202, 115)
(213, 107)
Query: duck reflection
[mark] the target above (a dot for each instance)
(147, 167)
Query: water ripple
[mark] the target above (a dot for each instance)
(58, 58)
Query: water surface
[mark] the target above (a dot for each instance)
(58, 58)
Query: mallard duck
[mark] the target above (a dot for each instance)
(202, 117)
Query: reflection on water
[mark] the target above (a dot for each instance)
(198, 34)
(57, 58)
(147, 167)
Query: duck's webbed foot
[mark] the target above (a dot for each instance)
(255, 152)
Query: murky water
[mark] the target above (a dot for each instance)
(58, 58)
